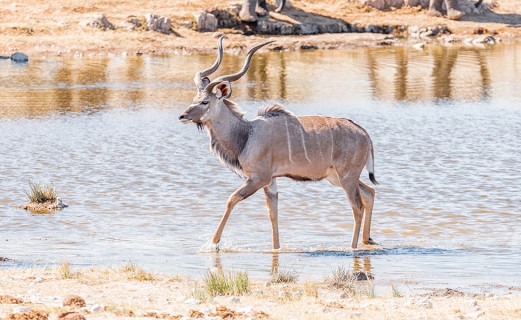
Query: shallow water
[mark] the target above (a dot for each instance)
(141, 187)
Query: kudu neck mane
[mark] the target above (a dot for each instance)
(229, 133)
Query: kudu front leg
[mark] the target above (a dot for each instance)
(247, 189)
(272, 199)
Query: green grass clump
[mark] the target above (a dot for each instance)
(41, 193)
(220, 283)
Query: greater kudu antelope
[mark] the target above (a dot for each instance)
(279, 144)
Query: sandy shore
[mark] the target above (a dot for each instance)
(131, 293)
(50, 28)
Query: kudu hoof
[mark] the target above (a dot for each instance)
(214, 247)
(369, 242)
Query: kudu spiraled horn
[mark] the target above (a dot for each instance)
(238, 75)
(198, 79)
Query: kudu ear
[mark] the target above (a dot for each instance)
(205, 81)
(223, 90)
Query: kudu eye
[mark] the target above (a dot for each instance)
(205, 102)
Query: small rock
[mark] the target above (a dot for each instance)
(98, 21)
(267, 284)
(206, 310)
(74, 300)
(195, 314)
(10, 300)
(476, 314)
(450, 39)
(480, 30)
(234, 300)
(485, 39)
(19, 57)
(95, 308)
(192, 301)
(205, 21)
(344, 295)
(355, 315)
(372, 29)
(126, 25)
(472, 303)
(71, 316)
(30, 315)
(159, 23)
(246, 309)
(419, 46)
(135, 21)
(424, 303)
(361, 276)
(306, 28)
(21, 309)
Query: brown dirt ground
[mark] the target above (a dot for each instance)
(114, 293)
(49, 28)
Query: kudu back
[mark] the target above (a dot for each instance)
(279, 144)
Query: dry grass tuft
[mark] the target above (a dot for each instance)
(41, 193)
(285, 276)
(224, 284)
(66, 271)
(311, 289)
(134, 272)
(342, 279)
(357, 284)
(395, 292)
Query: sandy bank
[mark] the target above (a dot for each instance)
(58, 27)
(119, 293)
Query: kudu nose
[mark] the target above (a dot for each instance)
(181, 117)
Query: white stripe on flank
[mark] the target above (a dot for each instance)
(304, 143)
(289, 140)
(332, 141)
(318, 140)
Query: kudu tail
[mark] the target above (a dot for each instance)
(369, 165)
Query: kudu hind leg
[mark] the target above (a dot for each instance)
(272, 198)
(368, 195)
(352, 191)
(247, 189)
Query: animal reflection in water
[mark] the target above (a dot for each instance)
(279, 144)
(360, 269)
